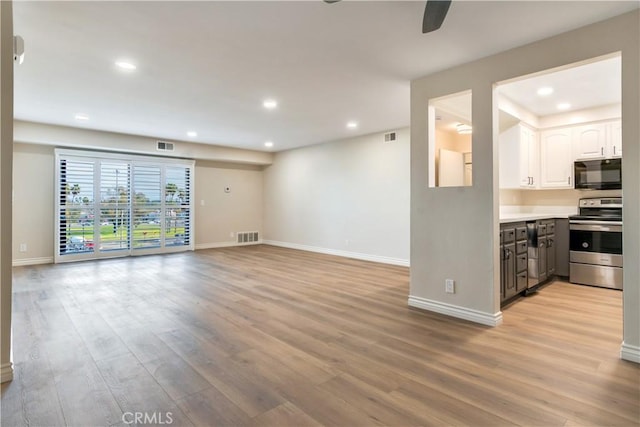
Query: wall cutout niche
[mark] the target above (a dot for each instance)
(450, 156)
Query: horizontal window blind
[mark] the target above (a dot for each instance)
(75, 207)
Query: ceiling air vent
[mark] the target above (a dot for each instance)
(164, 146)
(389, 137)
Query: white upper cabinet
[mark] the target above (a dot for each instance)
(519, 159)
(614, 138)
(556, 158)
(598, 141)
(544, 159)
(590, 141)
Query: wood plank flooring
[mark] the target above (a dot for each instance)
(265, 336)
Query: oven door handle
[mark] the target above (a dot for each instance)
(614, 227)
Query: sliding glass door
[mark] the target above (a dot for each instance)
(109, 205)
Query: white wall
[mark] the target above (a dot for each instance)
(454, 231)
(222, 213)
(226, 213)
(348, 197)
(33, 203)
(63, 136)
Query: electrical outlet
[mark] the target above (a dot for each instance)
(232, 234)
(450, 286)
(202, 202)
(23, 247)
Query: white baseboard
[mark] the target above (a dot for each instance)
(456, 311)
(32, 261)
(346, 254)
(630, 353)
(6, 372)
(199, 246)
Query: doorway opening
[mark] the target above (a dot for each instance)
(546, 123)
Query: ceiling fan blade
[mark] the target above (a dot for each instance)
(434, 14)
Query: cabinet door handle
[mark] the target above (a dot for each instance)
(568, 180)
(614, 150)
(602, 151)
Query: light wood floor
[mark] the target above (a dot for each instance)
(268, 336)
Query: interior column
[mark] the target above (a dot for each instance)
(6, 178)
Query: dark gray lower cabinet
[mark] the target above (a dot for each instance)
(513, 259)
(509, 270)
(532, 252)
(561, 246)
(501, 267)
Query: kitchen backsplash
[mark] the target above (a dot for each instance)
(550, 197)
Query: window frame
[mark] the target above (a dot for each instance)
(96, 157)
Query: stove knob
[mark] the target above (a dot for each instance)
(585, 245)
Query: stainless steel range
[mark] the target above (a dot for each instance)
(596, 243)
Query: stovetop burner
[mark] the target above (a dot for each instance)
(607, 209)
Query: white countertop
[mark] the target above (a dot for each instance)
(532, 213)
(516, 217)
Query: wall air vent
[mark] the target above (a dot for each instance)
(164, 146)
(248, 237)
(389, 137)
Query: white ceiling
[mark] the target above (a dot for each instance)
(584, 86)
(207, 66)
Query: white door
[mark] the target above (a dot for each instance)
(468, 169)
(451, 170)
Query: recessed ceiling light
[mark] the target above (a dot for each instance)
(268, 144)
(563, 106)
(125, 65)
(81, 117)
(545, 91)
(270, 104)
(192, 134)
(352, 125)
(463, 129)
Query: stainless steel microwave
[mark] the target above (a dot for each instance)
(598, 174)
